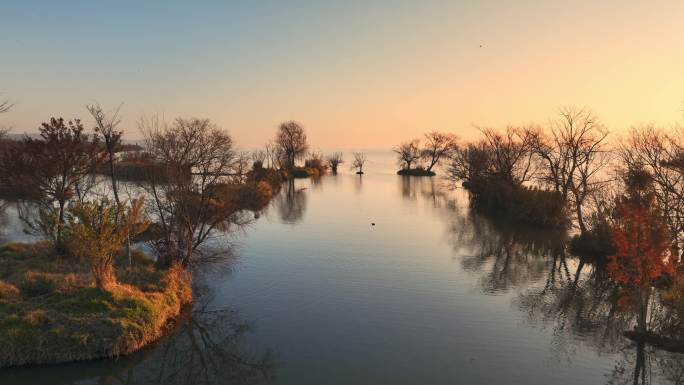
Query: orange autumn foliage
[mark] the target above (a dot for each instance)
(640, 235)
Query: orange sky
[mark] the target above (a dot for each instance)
(356, 75)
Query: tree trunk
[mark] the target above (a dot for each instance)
(642, 315)
(580, 217)
(433, 162)
(115, 189)
(104, 276)
(60, 224)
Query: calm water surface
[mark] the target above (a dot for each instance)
(431, 294)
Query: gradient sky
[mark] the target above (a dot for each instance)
(357, 74)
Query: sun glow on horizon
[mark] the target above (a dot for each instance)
(355, 75)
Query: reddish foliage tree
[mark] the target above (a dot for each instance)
(642, 243)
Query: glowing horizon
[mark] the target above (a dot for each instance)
(355, 75)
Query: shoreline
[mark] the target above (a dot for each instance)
(52, 316)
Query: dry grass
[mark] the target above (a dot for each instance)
(51, 312)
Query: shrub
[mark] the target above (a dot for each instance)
(534, 207)
(271, 176)
(316, 163)
(255, 196)
(97, 231)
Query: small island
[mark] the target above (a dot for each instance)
(412, 154)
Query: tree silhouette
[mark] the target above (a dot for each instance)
(291, 139)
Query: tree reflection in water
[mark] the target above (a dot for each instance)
(430, 190)
(291, 202)
(506, 255)
(574, 296)
(205, 350)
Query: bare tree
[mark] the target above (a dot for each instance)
(511, 153)
(660, 154)
(334, 160)
(437, 147)
(408, 153)
(291, 139)
(258, 157)
(199, 166)
(106, 128)
(50, 170)
(470, 162)
(273, 155)
(572, 155)
(359, 162)
(504, 155)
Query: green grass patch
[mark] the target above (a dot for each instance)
(51, 312)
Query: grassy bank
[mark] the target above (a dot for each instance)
(51, 312)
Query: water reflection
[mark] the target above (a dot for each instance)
(506, 255)
(205, 349)
(428, 293)
(291, 202)
(570, 295)
(430, 190)
(358, 183)
(642, 364)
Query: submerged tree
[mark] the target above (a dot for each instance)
(438, 146)
(334, 160)
(408, 153)
(359, 162)
(291, 141)
(51, 170)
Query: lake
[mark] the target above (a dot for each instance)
(431, 294)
